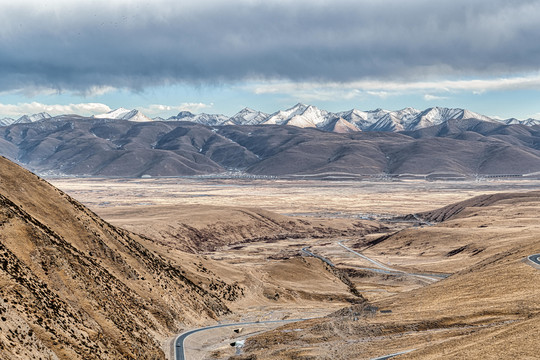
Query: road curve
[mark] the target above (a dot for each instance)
(374, 262)
(179, 350)
(305, 250)
(534, 260)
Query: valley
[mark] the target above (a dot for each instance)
(374, 267)
(359, 311)
(312, 269)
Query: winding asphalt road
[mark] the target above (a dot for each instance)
(305, 250)
(388, 269)
(422, 221)
(180, 351)
(392, 355)
(179, 348)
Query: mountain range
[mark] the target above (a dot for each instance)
(309, 116)
(25, 119)
(107, 147)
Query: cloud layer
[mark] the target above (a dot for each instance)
(17, 110)
(88, 109)
(386, 87)
(87, 45)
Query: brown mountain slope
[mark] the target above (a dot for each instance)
(74, 287)
(453, 210)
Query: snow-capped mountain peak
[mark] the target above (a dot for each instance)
(340, 125)
(184, 114)
(114, 114)
(281, 117)
(248, 116)
(124, 114)
(300, 115)
(32, 118)
(136, 115)
(438, 115)
(526, 122)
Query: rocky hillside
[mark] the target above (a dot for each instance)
(74, 287)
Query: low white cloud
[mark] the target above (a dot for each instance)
(97, 91)
(88, 109)
(31, 91)
(20, 109)
(389, 88)
(430, 97)
(380, 94)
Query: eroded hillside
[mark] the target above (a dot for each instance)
(74, 287)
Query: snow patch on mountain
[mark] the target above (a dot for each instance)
(527, 122)
(6, 121)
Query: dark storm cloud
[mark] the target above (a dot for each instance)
(76, 46)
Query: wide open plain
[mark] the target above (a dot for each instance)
(252, 232)
(289, 197)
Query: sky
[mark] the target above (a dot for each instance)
(219, 56)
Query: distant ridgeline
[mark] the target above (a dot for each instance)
(434, 143)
